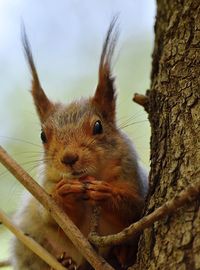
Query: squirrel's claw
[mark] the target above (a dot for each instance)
(67, 261)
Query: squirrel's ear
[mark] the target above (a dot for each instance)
(42, 103)
(105, 96)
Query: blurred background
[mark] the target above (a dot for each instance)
(66, 39)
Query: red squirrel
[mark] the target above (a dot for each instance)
(86, 159)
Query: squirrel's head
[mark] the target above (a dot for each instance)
(78, 138)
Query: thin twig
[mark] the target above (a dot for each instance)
(95, 219)
(31, 243)
(171, 206)
(72, 232)
(5, 263)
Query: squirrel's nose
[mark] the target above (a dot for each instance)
(70, 159)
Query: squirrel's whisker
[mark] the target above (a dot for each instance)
(134, 123)
(20, 140)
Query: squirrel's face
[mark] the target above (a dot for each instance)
(78, 139)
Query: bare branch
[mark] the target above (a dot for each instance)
(95, 219)
(72, 232)
(5, 263)
(31, 243)
(171, 206)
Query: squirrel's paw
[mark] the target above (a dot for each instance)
(67, 261)
(65, 187)
(98, 190)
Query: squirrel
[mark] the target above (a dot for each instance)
(87, 159)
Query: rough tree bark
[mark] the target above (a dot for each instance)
(174, 113)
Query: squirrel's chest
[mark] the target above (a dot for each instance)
(108, 222)
(81, 215)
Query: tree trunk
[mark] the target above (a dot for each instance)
(174, 113)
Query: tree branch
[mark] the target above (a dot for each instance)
(167, 208)
(30, 243)
(95, 220)
(4, 263)
(72, 232)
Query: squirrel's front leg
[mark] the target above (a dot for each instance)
(121, 197)
(121, 205)
(68, 193)
(66, 187)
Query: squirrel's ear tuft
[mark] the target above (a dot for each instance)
(105, 96)
(42, 103)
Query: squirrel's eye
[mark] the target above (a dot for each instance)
(43, 137)
(97, 129)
